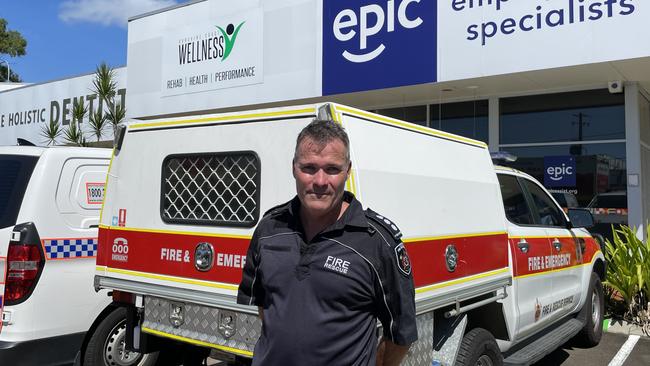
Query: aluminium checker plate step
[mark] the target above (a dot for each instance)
(546, 343)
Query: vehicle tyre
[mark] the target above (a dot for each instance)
(479, 348)
(594, 309)
(106, 346)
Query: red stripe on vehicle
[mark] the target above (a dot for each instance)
(173, 255)
(476, 254)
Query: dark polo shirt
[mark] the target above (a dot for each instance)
(321, 299)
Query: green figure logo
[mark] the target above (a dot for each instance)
(230, 35)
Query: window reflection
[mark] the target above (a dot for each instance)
(468, 119)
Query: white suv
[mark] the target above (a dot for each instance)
(50, 200)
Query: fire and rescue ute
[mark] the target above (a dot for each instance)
(501, 273)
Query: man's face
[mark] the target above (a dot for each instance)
(320, 172)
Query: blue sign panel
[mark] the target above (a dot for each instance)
(376, 44)
(559, 171)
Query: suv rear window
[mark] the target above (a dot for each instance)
(15, 171)
(609, 201)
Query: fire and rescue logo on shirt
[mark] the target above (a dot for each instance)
(403, 261)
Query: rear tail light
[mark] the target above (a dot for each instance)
(25, 262)
(123, 297)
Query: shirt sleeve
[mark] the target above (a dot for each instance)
(251, 291)
(396, 294)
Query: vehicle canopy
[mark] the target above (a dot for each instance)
(176, 182)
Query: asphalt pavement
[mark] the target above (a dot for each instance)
(608, 352)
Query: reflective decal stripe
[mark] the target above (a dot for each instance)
(3, 273)
(70, 248)
(170, 256)
(477, 254)
(198, 343)
(222, 118)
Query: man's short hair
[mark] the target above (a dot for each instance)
(323, 132)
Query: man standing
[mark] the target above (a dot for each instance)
(322, 270)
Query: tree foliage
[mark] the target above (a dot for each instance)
(12, 44)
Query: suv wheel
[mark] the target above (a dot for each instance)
(107, 345)
(594, 309)
(479, 348)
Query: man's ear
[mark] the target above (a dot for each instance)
(293, 168)
(349, 168)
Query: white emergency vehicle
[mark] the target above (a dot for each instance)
(50, 200)
(501, 273)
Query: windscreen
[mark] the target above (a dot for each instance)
(15, 171)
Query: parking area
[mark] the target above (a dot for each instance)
(614, 350)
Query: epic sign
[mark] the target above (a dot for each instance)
(559, 171)
(378, 44)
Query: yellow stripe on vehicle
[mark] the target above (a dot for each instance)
(413, 127)
(157, 231)
(235, 117)
(455, 236)
(437, 286)
(110, 165)
(593, 259)
(198, 343)
(350, 184)
(187, 281)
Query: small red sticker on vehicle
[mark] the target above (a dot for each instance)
(121, 219)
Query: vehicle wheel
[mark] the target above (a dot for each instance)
(479, 348)
(106, 346)
(594, 309)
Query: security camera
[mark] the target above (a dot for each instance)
(615, 87)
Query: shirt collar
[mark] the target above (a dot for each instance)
(353, 215)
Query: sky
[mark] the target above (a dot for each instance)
(67, 38)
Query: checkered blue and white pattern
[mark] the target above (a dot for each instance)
(70, 248)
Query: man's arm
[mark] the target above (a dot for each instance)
(390, 354)
(260, 312)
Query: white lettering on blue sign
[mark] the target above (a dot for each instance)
(370, 22)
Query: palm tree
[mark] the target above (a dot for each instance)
(105, 86)
(74, 135)
(51, 132)
(98, 123)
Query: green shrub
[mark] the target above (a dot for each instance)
(628, 264)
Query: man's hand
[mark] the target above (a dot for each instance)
(390, 354)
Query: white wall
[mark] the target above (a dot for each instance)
(25, 111)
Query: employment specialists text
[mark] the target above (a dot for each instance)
(573, 11)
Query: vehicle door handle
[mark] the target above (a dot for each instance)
(557, 244)
(523, 245)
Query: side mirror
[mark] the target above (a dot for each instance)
(581, 217)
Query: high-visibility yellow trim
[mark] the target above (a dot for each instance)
(561, 269)
(188, 281)
(198, 343)
(235, 117)
(549, 237)
(456, 236)
(413, 127)
(437, 286)
(110, 164)
(350, 184)
(156, 231)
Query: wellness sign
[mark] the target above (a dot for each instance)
(223, 53)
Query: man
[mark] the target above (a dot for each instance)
(322, 270)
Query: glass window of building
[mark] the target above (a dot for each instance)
(469, 119)
(414, 114)
(573, 143)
